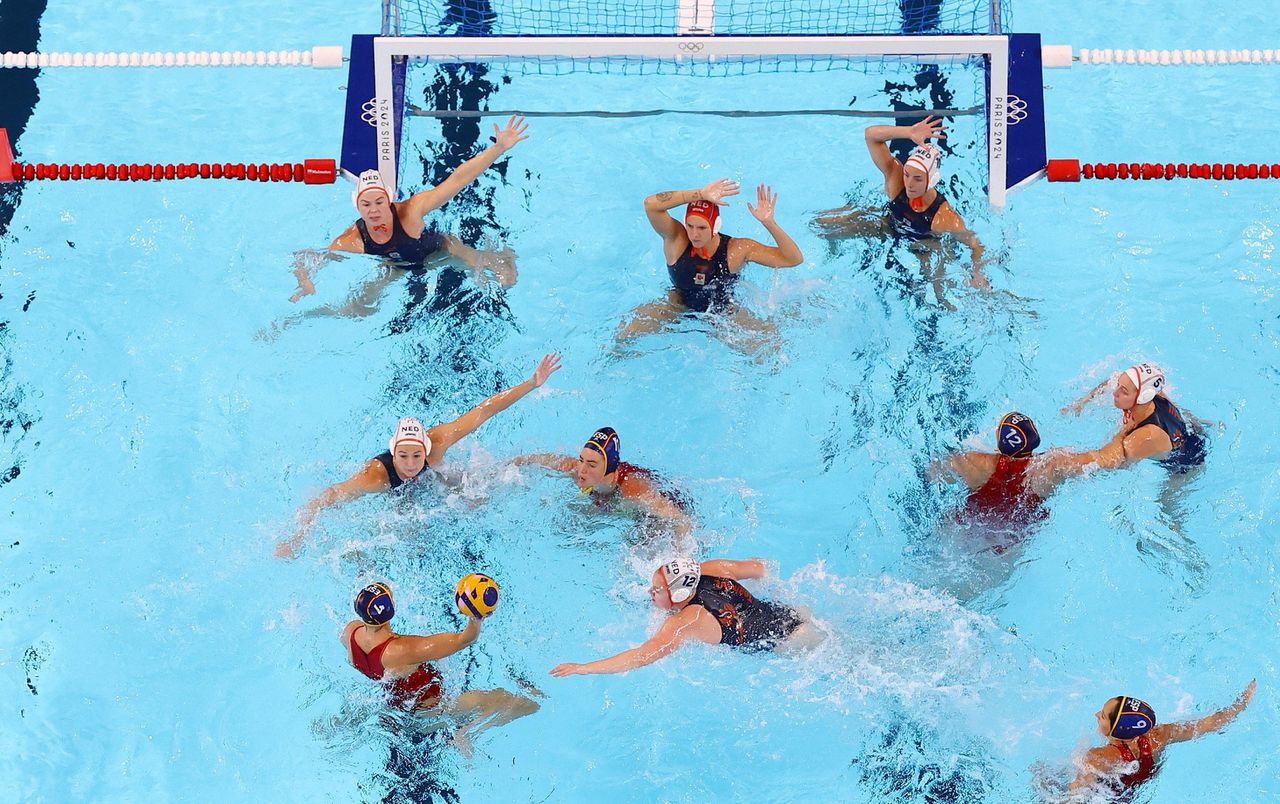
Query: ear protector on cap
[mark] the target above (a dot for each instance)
(1134, 718)
(1148, 379)
(369, 180)
(605, 441)
(411, 430)
(1016, 435)
(681, 577)
(374, 604)
(928, 159)
(705, 210)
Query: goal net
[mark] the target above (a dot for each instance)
(728, 59)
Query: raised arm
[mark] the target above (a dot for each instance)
(1078, 405)
(745, 570)
(673, 633)
(446, 435)
(504, 140)
(877, 137)
(784, 255)
(656, 205)
(1181, 732)
(370, 479)
(414, 650)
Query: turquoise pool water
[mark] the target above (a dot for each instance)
(152, 647)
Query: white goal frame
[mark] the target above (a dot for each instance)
(446, 49)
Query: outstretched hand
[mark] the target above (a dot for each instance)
(766, 200)
(566, 669)
(506, 138)
(1247, 695)
(549, 365)
(929, 127)
(979, 280)
(718, 189)
(305, 288)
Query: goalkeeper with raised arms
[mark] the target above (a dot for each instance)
(917, 212)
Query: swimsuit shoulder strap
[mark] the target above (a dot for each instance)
(388, 463)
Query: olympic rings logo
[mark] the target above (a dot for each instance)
(368, 112)
(691, 47)
(1017, 110)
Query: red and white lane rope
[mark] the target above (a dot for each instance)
(1073, 170)
(319, 56)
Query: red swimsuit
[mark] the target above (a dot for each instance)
(1005, 493)
(1004, 503)
(420, 688)
(1146, 764)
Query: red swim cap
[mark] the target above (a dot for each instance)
(706, 210)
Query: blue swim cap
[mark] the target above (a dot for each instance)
(374, 604)
(605, 442)
(1016, 435)
(1133, 718)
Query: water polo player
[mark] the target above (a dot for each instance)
(1135, 742)
(402, 663)
(600, 472)
(1007, 488)
(917, 212)
(708, 604)
(399, 232)
(703, 264)
(412, 450)
(1151, 427)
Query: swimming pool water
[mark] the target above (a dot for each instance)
(152, 647)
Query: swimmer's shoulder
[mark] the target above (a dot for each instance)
(349, 241)
(348, 632)
(947, 219)
(974, 468)
(373, 476)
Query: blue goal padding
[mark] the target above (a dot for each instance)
(360, 127)
(1024, 111)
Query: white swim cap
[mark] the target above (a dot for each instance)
(369, 180)
(927, 158)
(1148, 379)
(410, 430)
(681, 577)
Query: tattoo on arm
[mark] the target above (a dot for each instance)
(665, 196)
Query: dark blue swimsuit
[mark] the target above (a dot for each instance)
(704, 284)
(909, 224)
(408, 253)
(394, 477)
(1188, 445)
(745, 621)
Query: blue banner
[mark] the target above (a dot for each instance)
(1024, 112)
(360, 127)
